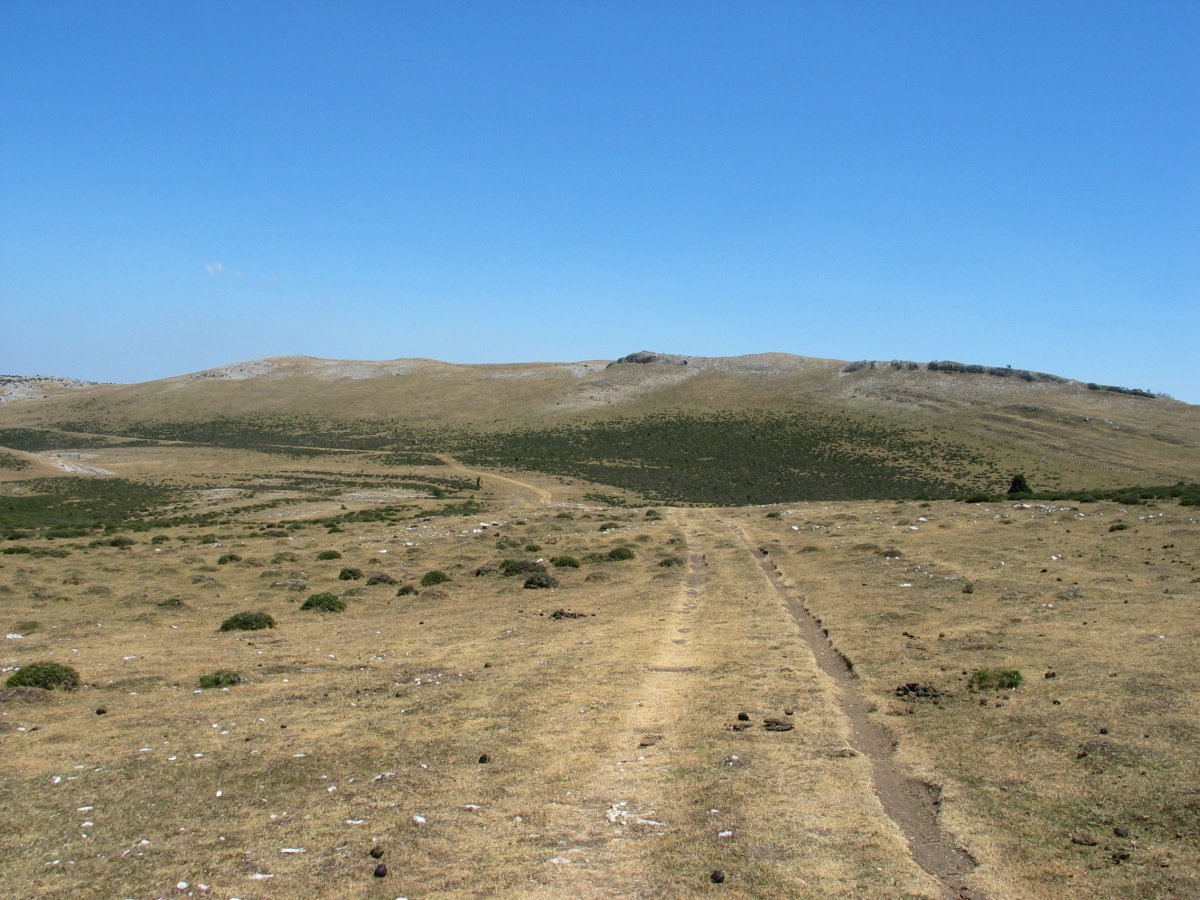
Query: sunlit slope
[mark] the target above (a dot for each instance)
(954, 430)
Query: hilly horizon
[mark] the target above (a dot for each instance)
(755, 428)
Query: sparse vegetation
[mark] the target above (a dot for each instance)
(226, 558)
(45, 675)
(434, 576)
(248, 621)
(324, 602)
(541, 580)
(618, 554)
(520, 567)
(329, 554)
(350, 574)
(994, 680)
(565, 562)
(219, 679)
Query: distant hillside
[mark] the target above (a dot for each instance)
(742, 429)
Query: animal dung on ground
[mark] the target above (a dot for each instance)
(777, 725)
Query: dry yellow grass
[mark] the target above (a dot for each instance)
(613, 765)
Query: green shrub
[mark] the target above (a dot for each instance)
(220, 678)
(565, 562)
(406, 590)
(119, 541)
(994, 679)
(381, 578)
(160, 539)
(672, 561)
(208, 539)
(325, 602)
(248, 621)
(1118, 526)
(532, 548)
(329, 554)
(228, 558)
(350, 574)
(620, 553)
(171, 603)
(435, 576)
(1019, 485)
(609, 526)
(521, 567)
(541, 580)
(44, 675)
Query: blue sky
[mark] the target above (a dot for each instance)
(184, 185)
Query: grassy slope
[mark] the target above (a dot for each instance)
(967, 431)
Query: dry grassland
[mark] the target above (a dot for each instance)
(613, 767)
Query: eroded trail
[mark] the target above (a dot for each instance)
(699, 781)
(541, 495)
(910, 803)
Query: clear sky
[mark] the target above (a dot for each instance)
(187, 184)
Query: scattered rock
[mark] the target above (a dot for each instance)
(1121, 831)
(484, 758)
(1083, 839)
(650, 740)
(777, 725)
(376, 852)
(914, 691)
(743, 717)
(381, 870)
(717, 876)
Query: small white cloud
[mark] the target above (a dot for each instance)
(215, 268)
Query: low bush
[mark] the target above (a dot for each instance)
(171, 603)
(381, 578)
(220, 678)
(532, 548)
(329, 554)
(435, 576)
(521, 567)
(994, 679)
(208, 539)
(44, 675)
(672, 561)
(609, 526)
(228, 558)
(406, 590)
(541, 580)
(324, 602)
(620, 553)
(248, 621)
(1118, 526)
(350, 574)
(565, 562)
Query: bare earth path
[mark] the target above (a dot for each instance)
(909, 802)
(691, 786)
(541, 495)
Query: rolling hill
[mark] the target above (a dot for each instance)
(748, 429)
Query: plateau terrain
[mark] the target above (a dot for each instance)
(663, 626)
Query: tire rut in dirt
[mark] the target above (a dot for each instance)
(910, 803)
